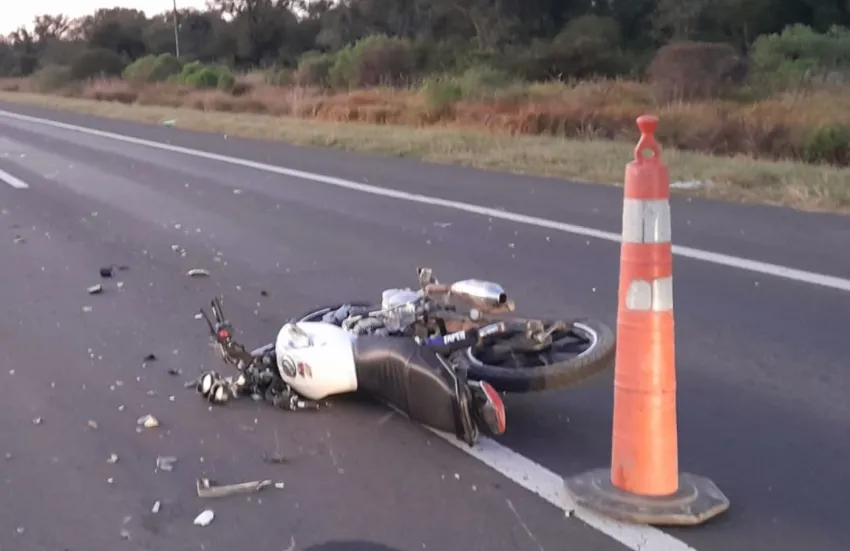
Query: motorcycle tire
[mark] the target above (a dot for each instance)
(566, 373)
(598, 358)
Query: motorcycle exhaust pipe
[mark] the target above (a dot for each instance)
(479, 292)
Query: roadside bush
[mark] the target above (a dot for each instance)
(690, 71)
(97, 62)
(153, 68)
(828, 144)
(51, 78)
(313, 69)
(473, 84)
(373, 61)
(199, 75)
(800, 56)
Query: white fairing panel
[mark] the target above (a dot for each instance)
(318, 360)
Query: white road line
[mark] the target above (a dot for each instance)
(764, 268)
(550, 486)
(510, 464)
(13, 181)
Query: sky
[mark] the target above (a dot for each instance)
(16, 13)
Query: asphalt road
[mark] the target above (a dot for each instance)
(762, 372)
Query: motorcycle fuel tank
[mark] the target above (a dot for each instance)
(316, 359)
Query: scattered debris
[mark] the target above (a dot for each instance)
(155, 508)
(148, 421)
(276, 459)
(169, 122)
(19, 240)
(92, 424)
(204, 518)
(125, 534)
(237, 192)
(198, 272)
(279, 485)
(165, 463)
(95, 289)
(110, 480)
(174, 371)
(119, 284)
(206, 489)
(106, 272)
(199, 316)
(87, 308)
(38, 421)
(150, 358)
(264, 293)
(112, 459)
(19, 530)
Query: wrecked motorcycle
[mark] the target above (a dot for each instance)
(472, 322)
(311, 361)
(438, 354)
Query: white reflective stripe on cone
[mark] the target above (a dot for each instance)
(646, 221)
(657, 295)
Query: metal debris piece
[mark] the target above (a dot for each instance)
(206, 489)
(112, 459)
(198, 272)
(95, 289)
(92, 424)
(165, 463)
(38, 421)
(204, 518)
(155, 508)
(148, 421)
(106, 272)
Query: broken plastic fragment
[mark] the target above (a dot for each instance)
(165, 463)
(92, 424)
(150, 358)
(112, 459)
(87, 308)
(198, 272)
(148, 421)
(37, 421)
(206, 489)
(155, 508)
(95, 289)
(204, 518)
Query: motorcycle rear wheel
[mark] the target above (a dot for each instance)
(512, 363)
(583, 350)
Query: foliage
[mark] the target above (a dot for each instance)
(490, 62)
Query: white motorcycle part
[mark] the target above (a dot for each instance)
(316, 359)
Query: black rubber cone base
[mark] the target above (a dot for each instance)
(697, 500)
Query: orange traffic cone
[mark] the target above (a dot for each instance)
(644, 484)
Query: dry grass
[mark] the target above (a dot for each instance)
(508, 129)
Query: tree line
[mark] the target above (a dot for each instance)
(537, 39)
